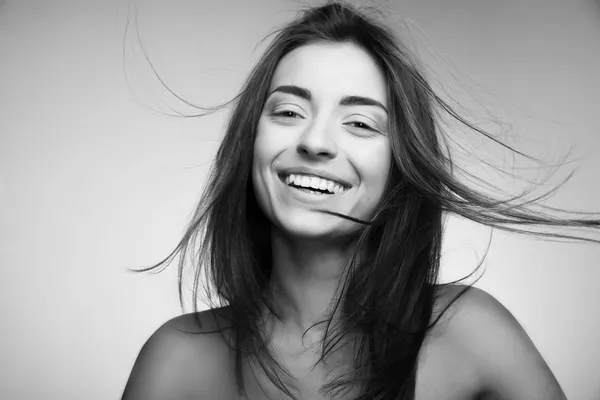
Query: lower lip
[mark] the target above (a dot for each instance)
(308, 191)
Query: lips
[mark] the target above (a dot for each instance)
(312, 172)
(313, 183)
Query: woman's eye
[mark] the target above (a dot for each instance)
(287, 114)
(361, 125)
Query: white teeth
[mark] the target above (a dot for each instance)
(314, 183)
(330, 186)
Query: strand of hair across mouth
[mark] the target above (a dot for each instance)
(344, 216)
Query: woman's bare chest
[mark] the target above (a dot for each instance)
(444, 373)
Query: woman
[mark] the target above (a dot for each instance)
(321, 228)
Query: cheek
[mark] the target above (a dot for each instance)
(258, 167)
(270, 142)
(265, 152)
(376, 167)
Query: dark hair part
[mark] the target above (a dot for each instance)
(387, 298)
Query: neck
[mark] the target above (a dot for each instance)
(305, 280)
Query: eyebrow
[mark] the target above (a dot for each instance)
(345, 101)
(293, 90)
(361, 101)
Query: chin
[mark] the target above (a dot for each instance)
(319, 228)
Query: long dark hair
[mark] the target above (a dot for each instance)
(387, 296)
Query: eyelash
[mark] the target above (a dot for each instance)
(285, 114)
(365, 126)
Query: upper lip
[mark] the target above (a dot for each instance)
(314, 172)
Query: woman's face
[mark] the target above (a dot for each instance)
(322, 140)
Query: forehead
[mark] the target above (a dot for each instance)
(332, 69)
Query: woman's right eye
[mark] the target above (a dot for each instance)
(287, 114)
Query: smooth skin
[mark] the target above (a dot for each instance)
(326, 113)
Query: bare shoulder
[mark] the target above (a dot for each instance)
(185, 357)
(460, 305)
(447, 369)
(492, 345)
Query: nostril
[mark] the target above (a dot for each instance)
(316, 150)
(315, 154)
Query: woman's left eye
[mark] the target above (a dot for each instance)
(361, 125)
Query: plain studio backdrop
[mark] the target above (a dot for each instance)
(94, 180)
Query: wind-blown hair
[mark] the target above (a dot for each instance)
(387, 296)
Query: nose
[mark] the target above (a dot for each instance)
(317, 141)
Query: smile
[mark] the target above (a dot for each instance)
(312, 184)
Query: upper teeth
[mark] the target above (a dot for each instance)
(314, 182)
